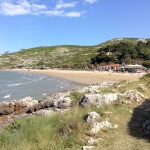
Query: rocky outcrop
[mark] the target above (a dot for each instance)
(43, 112)
(27, 102)
(92, 141)
(88, 147)
(97, 126)
(7, 107)
(58, 101)
(97, 100)
(133, 95)
(10, 107)
(92, 117)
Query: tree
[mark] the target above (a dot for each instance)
(146, 63)
(6, 52)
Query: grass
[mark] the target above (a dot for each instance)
(70, 131)
(106, 90)
(52, 56)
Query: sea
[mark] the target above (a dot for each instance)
(18, 85)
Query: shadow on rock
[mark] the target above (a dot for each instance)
(139, 125)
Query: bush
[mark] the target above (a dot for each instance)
(12, 127)
(145, 78)
(146, 63)
(75, 97)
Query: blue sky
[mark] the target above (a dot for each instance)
(33, 23)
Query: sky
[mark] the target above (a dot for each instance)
(32, 23)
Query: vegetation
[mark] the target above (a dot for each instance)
(129, 50)
(124, 52)
(146, 64)
(69, 130)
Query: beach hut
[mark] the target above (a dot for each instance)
(135, 68)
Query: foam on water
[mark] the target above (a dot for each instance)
(17, 85)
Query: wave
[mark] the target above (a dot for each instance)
(18, 84)
(7, 96)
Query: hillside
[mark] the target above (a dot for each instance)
(65, 56)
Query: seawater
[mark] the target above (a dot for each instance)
(17, 85)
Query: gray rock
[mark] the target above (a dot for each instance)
(10, 107)
(96, 127)
(63, 103)
(133, 95)
(92, 141)
(87, 147)
(26, 102)
(7, 107)
(43, 112)
(92, 117)
(97, 100)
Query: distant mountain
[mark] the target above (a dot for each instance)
(63, 56)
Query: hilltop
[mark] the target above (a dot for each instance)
(63, 56)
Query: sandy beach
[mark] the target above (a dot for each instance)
(86, 77)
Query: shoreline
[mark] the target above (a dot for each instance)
(84, 77)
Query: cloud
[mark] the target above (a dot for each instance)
(24, 7)
(90, 1)
(74, 14)
(63, 13)
(62, 4)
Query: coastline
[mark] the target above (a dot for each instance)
(85, 77)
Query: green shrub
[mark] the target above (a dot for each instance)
(15, 125)
(145, 78)
(75, 97)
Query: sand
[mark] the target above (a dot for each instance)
(86, 77)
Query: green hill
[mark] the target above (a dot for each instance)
(63, 56)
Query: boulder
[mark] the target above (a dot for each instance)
(7, 107)
(92, 117)
(43, 112)
(26, 102)
(133, 95)
(96, 127)
(97, 100)
(146, 127)
(94, 89)
(23, 104)
(63, 103)
(87, 147)
(58, 101)
(92, 141)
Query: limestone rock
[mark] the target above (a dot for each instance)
(94, 89)
(26, 102)
(10, 107)
(97, 100)
(133, 95)
(43, 112)
(7, 107)
(96, 127)
(92, 141)
(87, 147)
(64, 103)
(92, 117)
